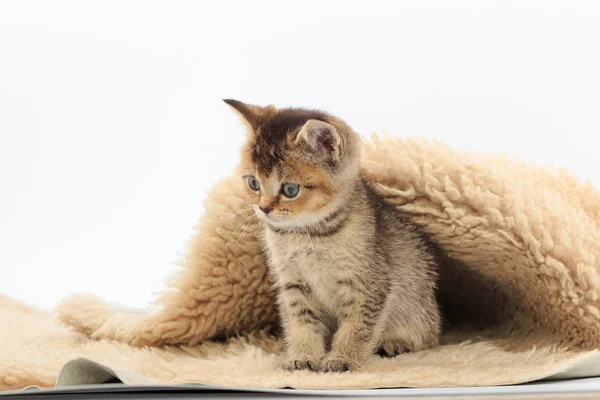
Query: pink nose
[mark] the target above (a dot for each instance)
(266, 210)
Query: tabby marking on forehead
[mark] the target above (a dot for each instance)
(272, 134)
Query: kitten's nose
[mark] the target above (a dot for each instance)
(266, 210)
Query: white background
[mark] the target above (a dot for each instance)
(112, 128)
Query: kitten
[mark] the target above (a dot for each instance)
(354, 275)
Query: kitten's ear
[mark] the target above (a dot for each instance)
(250, 114)
(321, 137)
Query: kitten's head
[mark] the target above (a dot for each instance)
(298, 165)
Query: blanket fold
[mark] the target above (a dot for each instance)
(521, 284)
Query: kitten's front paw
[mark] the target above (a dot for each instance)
(296, 365)
(337, 365)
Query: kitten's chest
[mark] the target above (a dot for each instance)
(294, 255)
(321, 264)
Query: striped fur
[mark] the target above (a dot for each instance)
(355, 277)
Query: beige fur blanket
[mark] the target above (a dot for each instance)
(521, 297)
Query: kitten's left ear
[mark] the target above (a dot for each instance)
(250, 114)
(321, 137)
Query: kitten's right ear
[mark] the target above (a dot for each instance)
(250, 114)
(322, 138)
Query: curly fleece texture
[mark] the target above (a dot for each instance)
(521, 295)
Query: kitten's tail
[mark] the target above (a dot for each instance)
(97, 319)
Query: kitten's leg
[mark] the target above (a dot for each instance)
(358, 331)
(401, 339)
(305, 332)
(410, 331)
(394, 342)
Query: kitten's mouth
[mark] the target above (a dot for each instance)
(273, 220)
(289, 223)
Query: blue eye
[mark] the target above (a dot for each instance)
(290, 190)
(253, 183)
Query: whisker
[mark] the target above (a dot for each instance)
(243, 210)
(243, 223)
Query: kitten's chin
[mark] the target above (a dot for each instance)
(275, 222)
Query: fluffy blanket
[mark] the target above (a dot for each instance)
(521, 296)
